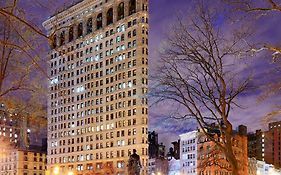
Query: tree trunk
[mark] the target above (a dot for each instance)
(229, 152)
(232, 160)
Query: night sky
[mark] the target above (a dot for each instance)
(252, 114)
(162, 16)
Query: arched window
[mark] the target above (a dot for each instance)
(99, 21)
(109, 16)
(62, 38)
(70, 34)
(132, 6)
(80, 30)
(54, 41)
(89, 25)
(120, 11)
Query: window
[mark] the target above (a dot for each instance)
(109, 16)
(62, 38)
(80, 30)
(54, 41)
(99, 21)
(132, 7)
(89, 25)
(70, 33)
(120, 11)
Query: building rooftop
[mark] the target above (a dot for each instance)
(35, 149)
(274, 124)
(65, 7)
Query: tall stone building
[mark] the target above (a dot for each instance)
(97, 105)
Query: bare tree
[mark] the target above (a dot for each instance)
(253, 10)
(263, 8)
(198, 72)
(30, 110)
(20, 47)
(256, 6)
(22, 43)
(19, 64)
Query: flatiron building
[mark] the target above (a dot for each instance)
(97, 104)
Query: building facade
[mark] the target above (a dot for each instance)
(153, 144)
(157, 162)
(272, 139)
(174, 167)
(23, 162)
(176, 149)
(97, 105)
(13, 129)
(256, 145)
(158, 166)
(188, 152)
(257, 167)
(211, 160)
(265, 145)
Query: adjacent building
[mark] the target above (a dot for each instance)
(199, 155)
(257, 167)
(157, 162)
(272, 143)
(13, 129)
(256, 145)
(153, 144)
(176, 149)
(174, 152)
(211, 160)
(17, 156)
(158, 166)
(174, 167)
(97, 105)
(188, 152)
(15, 161)
(265, 145)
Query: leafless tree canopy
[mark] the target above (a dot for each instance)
(20, 46)
(21, 64)
(197, 68)
(198, 71)
(258, 8)
(268, 9)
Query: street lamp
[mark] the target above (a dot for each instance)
(70, 173)
(56, 170)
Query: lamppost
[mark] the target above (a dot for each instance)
(56, 170)
(70, 173)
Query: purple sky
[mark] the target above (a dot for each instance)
(162, 16)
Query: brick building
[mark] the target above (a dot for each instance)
(272, 139)
(211, 160)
